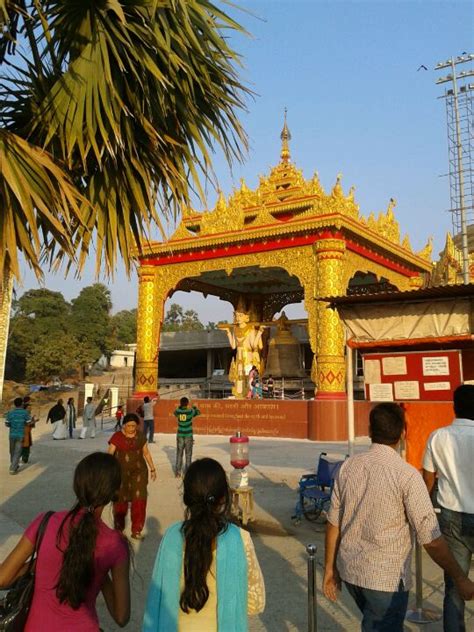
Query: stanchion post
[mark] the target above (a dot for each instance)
(418, 614)
(312, 621)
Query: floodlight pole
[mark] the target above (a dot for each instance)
(453, 78)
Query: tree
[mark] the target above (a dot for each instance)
(90, 320)
(51, 357)
(191, 321)
(114, 115)
(39, 317)
(124, 327)
(47, 332)
(177, 319)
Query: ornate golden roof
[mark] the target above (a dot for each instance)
(448, 268)
(285, 203)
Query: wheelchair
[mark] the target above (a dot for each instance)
(314, 492)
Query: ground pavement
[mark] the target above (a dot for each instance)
(276, 465)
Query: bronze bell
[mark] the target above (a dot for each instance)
(284, 354)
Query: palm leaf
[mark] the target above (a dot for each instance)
(148, 83)
(133, 96)
(39, 204)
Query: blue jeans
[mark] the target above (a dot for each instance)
(458, 531)
(15, 453)
(149, 425)
(382, 611)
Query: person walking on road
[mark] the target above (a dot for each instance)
(28, 438)
(88, 419)
(130, 448)
(79, 557)
(118, 418)
(449, 458)
(379, 506)
(206, 575)
(184, 436)
(57, 417)
(148, 419)
(71, 416)
(16, 419)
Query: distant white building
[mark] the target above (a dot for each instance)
(121, 358)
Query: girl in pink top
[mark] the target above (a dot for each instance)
(79, 557)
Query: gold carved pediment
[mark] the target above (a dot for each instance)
(448, 268)
(339, 202)
(387, 226)
(427, 251)
(225, 218)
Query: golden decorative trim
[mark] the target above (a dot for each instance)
(250, 215)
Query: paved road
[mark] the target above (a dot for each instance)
(276, 466)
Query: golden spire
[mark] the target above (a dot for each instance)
(285, 138)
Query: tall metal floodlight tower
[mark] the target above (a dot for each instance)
(460, 121)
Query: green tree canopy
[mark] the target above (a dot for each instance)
(51, 337)
(90, 320)
(177, 319)
(39, 316)
(124, 327)
(52, 357)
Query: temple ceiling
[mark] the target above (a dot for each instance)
(250, 280)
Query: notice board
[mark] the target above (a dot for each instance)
(412, 376)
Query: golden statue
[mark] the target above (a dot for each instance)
(246, 338)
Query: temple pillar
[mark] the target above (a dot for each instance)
(330, 373)
(149, 318)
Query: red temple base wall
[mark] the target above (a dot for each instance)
(318, 420)
(259, 418)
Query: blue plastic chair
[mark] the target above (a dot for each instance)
(314, 492)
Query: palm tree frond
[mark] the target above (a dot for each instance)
(39, 201)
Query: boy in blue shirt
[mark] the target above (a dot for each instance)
(184, 436)
(16, 420)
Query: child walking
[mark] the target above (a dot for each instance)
(184, 436)
(118, 418)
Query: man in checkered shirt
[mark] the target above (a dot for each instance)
(379, 505)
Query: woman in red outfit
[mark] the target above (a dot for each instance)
(131, 450)
(79, 557)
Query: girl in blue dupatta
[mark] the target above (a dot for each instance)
(206, 574)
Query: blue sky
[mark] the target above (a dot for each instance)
(347, 72)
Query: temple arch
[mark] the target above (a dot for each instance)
(287, 223)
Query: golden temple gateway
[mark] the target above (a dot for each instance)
(284, 242)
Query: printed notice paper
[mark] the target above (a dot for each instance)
(380, 393)
(394, 365)
(437, 386)
(407, 390)
(436, 366)
(372, 372)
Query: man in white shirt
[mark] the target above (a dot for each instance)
(88, 419)
(449, 456)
